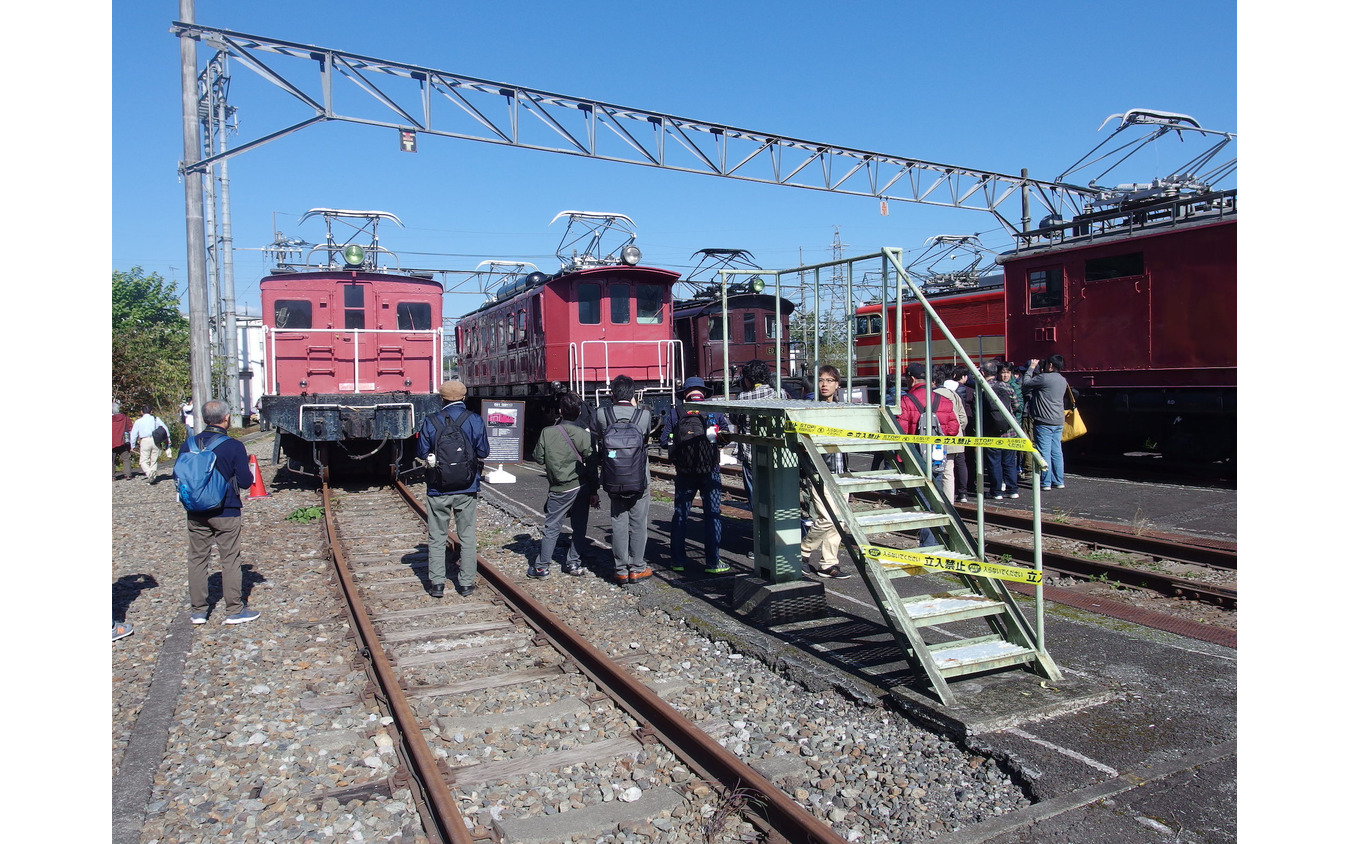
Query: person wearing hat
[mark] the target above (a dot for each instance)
(462, 501)
(697, 470)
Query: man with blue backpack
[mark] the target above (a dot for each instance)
(453, 442)
(210, 470)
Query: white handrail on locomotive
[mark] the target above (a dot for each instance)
(437, 338)
(668, 360)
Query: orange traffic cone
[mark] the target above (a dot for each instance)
(259, 489)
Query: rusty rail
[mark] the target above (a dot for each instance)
(786, 820)
(449, 822)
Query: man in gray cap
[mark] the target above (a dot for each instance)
(692, 438)
(454, 442)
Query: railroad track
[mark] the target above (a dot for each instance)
(1094, 538)
(434, 660)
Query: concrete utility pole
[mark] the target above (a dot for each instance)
(199, 334)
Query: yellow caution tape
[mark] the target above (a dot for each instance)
(911, 559)
(1012, 443)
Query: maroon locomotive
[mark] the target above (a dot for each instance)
(353, 353)
(1141, 301)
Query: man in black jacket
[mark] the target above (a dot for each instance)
(221, 525)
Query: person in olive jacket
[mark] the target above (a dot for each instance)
(565, 450)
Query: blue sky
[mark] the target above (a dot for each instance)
(993, 86)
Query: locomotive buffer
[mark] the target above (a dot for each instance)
(785, 432)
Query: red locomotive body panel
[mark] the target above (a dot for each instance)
(583, 327)
(339, 332)
(974, 317)
(1152, 310)
(751, 336)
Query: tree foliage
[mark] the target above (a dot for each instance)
(150, 342)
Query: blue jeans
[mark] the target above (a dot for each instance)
(1002, 470)
(1046, 438)
(708, 486)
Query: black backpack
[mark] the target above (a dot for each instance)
(160, 435)
(623, 450)
(456, 463)
(691, 452)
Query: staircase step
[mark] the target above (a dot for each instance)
(835, 445)
(885, 521)
(968, 656)
(873, 481)
(958, 604)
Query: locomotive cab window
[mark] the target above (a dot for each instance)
(749, 329)
(588, 303)
(1113, 266)
(860, 326)
(770, 327)
(1046, 288)
(714, 328)
(650, 298)
(620, 304)
(414, 316)
(354, 304)
(292, 314)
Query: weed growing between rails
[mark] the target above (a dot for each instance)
(305, 515)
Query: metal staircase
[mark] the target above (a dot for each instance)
(867, 532)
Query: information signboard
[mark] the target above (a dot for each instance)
(505, 422)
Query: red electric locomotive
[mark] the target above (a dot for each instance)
(972, 310)
(353, 353)
(598, 317)
(1141, 301)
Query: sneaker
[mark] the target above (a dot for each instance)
(574, 570)
(121, 631)
(1012, 495)
(998, 497)
(963, 500)
(438, 590)
(198, 618)
(1045, 489)
(718, 567)
(635, 576)
(677, 566)
(621, 578)
(835, 572)
(1059, 486)
(243, 616)
(537, 573)
(466, 591)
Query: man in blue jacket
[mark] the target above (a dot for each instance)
(461, 501)
(221, 525)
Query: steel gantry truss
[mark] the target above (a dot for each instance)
(500, 113)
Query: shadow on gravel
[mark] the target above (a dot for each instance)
(214, 590)
(126, 589)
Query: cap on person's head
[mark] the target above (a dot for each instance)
(916, 370)
(693, 385)
(453, 390)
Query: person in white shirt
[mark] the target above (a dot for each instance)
(143, 434)
(186, 411)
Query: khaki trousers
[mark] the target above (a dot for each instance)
(223, 532)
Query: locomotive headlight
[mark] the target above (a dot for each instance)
(630, 255)
(757, 284)
(354, 255)
(303, 383)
